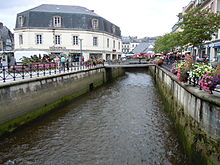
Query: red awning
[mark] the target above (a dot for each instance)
(144, 54)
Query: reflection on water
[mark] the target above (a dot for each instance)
(120, 123)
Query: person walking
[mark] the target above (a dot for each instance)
(57, 62)
(82, 60)
(67, 63)
(0, 62)
(63, 61)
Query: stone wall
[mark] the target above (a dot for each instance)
(196, 115)
(26, 100)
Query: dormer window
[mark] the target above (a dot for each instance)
(20, 21)
(113, 29)
(95, 24)
(57, 21)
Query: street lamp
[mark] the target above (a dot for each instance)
(80, 40)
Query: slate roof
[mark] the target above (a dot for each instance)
(62, 9)
(142, 48)
(5, 34)
(127, 40)
(73, 17)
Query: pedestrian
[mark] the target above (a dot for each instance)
(67, 64)
(63, 61)
(0, 62)
(82, 60)
(57, 61)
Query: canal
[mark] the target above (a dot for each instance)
(120, 123)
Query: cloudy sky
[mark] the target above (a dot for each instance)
(135, 17)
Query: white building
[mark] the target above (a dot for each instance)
(129, 44)
(69, 30)
(210, 48)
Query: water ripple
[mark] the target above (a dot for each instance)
(121, 123)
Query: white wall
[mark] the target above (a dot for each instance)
(29, 41)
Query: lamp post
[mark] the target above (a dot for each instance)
(80, 40)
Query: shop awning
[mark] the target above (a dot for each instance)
(216, 45)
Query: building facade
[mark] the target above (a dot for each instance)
(129, 44)
(6, 38)
(67, 30)
(210, 48)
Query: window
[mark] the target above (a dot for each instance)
(20, 39)
(212, 7)
(1, 45)
(57, 39)
(38, 39)
(114, 44)
(107, 42)
(119, 45)
(95, 24)
(75, 40)
(57, 21)
(113, 29)
(95, 41)
(20, 21)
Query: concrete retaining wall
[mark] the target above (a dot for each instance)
(26, 100)
(196, 115)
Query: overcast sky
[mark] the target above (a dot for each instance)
(135, 17)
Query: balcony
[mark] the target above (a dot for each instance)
(189, 6)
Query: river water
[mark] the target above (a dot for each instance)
(122, 123)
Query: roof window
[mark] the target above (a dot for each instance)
(95, 24)
(21, 21)
(57, 21)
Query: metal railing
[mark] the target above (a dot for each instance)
(126, 62)
(195, 82)
(20, 72)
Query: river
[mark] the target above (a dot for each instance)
(121, 123)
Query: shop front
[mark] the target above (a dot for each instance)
(95, 55)
(114, 56)
(217, 51)
(75, 57)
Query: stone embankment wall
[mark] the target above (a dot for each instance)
(196, 115)
(24, 101)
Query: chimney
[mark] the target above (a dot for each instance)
(1, 25)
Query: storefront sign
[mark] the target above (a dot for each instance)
(57, 48)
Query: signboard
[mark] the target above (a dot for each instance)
(57, 48)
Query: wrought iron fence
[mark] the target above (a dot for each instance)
(19, 72)
(195, 82)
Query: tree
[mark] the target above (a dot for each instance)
(169, 42)
(199, 26)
